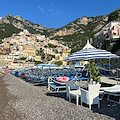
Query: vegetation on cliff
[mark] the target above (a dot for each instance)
(74, 34)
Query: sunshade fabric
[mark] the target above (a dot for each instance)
(89, 54)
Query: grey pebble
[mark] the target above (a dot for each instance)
(33, 103)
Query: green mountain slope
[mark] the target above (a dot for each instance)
(77, 32)
(74, 34)
(10, 25)
(6, 30)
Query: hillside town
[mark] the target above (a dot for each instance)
(25, 49)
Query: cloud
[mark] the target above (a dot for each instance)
(52, 11)
(41, 9)
(0, 17)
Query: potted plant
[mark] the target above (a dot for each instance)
(95, 76)
(91, 94)
(95, 72)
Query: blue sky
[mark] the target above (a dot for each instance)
(56, 13)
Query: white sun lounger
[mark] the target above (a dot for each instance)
(55, 87)
(114, 91)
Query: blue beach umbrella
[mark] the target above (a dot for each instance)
(47, 65)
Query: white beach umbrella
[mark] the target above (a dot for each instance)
(89, 54)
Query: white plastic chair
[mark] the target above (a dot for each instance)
(73, 91)
(91, 96)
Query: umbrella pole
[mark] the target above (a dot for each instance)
(90, 73)
(117, 75)
(109, 64)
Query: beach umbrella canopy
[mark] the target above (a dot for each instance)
(10, 69)
(78, 66)
(42, 65)
(89, 54)
(47, 66)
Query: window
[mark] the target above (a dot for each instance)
(114, 33)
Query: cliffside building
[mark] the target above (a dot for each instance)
(108, 35)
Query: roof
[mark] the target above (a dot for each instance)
(88, 46)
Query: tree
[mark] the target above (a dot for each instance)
(58, 63)
(45, 46)
(23, 58)
(115, 47)
(38, 62)
(51, 46)
(113, 16)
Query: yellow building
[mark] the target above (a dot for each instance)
(3, 57)
(57, 56)
(6, 46)
(29, 64)
(20, 64)
(64, 63)
(48, 51)
(38, 58)
(15, 41)
(29, 50)
(16, 65)
(64, 53)
(5, 62)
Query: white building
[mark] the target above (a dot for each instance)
(102, 38)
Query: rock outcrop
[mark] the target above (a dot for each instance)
(20, 23)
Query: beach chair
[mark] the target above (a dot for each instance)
(90, 96)
(117, 86)
(54, 86)
(72, 91)
(83, 76)
(111, 91)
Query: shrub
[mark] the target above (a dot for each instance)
(58, 63)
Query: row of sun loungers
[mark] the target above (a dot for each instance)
(49, 77)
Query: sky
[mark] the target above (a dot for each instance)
(56, 13)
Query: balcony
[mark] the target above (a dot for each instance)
(115, 36)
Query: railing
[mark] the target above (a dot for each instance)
(113, 73)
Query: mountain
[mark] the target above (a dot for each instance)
(10, 25)
(77, 32)
(74, 34)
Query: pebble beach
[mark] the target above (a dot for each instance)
(20, 100)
